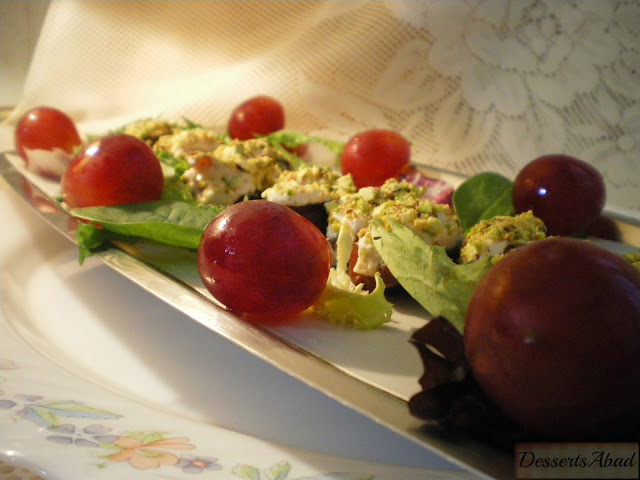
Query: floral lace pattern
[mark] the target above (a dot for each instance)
(491, 85)
(475, 85)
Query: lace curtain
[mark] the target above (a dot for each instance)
(475, 85)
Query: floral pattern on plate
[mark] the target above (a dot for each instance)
(105, 438)
(62, 420)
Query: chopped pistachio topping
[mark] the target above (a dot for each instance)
(501, 234)
(309, 184)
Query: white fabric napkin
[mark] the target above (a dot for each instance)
(475, 86)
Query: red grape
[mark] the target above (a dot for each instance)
(263, 260)
(257, 116)
(374, 156)
(567, 194)
(114, 170)
(552, 334)
(45, 139)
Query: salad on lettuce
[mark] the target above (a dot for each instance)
(407, 233)
(412, 232)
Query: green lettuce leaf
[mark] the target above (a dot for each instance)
(482, 197)
(427, 273)
(89, 238)
(343, 302)
(283, 140)
(179, 224)
(359, 309)
(174, 190)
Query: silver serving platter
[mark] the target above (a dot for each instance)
(172, 282)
